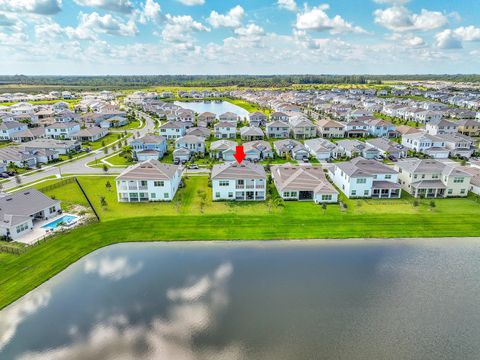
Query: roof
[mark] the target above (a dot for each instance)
(428, 166)
(149, 170)
(386, 145)
(224, 124)
(173, 125)
(319, 145)
(18, 207)
(277, 123)
(30, 132)
(301, 178)
(63, 125)
(191, 139)
(7, 125)
(150, 139)
(259, 145)
(234, 170)
(362, 167)
(90, 131)
(223, 145)
(329, 123)
(251, 131)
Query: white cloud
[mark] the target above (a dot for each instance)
(192, 2)
(468, 33)
(123, 6)
(170, 337)
(180, 30)
(251, 30)
(392, 2)
(447, 40)
(7, 20)
(399, 18)
(290, 5)
(41, 7)
(317, 19)
(232, 19)
(151, 11)
(114, 269)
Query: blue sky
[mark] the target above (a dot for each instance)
(96, 37)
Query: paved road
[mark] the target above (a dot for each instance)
(79, 166)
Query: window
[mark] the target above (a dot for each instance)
(462, 191)
(286, 194)
(143, 183)
(366, 192)
(158, 183)
(458, 180)
(361, 181)
(217, 195)
(388, 176)
(435, 176)
(223, 183)
(165, 195)
(52, 210)
(326, 197)
(22, 227)
(153, 195)
(230, 194)
(354, 192)
(293, 194)
(450, 191)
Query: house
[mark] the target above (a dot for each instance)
(438, 127)
(381, 128)
(149, 147)
(185, 115)
(474, 180)
(250, 133)
(427, 144)
(195, 144)
(356, 128)
(322, 149)
(257, 119)
(63, 147)
(301, 127)
(62, 130)
(431, 178)
(9, 128)
(182, 154)
(278, 116)
(240, 182)
(172, 130)
(207, 117)
(66, 116)
(229, 117)
(20, 211)
(293, 148)
(223, 150)
(388, 147)
(304, 183)
(362, 178)
(406, 130)
(18, 156)
(277, 129)
(354, 148)
(89, 134)
(427, 116)
(225, 130)
(469, 127)
(257, 150)
(458, 144)
(112, 122)
(148, 181)
(330, 128)
(199, 131)
(29, 134)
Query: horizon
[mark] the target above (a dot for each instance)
(200, 37)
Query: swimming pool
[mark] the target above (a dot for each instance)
(65, 219)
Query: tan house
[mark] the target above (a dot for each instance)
(330, 129)
(469, 127)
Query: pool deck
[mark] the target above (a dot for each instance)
(38, 233)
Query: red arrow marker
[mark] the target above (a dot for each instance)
(239, 154)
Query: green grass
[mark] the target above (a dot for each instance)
(133, 125)
(107, 140)
(188, 218)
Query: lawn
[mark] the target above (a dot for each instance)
(133, 125)
(189, 217)
(105, 141)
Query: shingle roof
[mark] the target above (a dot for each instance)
(149, 170)
(301, 178)
(233, 170)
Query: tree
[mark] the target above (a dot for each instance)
(105, 168)
(103, 201)
(12, 167)
(324, 207)
(108, 185)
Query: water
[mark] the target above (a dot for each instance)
(64, 219)
(213, 107)
(272, 300)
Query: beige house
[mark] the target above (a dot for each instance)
(330, 129)
(432, 179)
(469, 127)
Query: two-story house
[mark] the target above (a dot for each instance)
(427, 144)
(353, 148)
(9, 128)
(293, 148)
(277, 129)
(223, 150)
(362, 178)
(431, 178)
(257, 119)
(225, 130)
(322, 149)
(301, 127)
(148, 181)
(172, 130)
(257, 150)
(62, 130)
(149, 147)
(440, 127)
(388, 147)
(239, 182)
(195, 144)
(330, 128)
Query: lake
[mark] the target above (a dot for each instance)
(217, 108)
(344, 299)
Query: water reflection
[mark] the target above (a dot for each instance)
(112, 268)
(192, 309)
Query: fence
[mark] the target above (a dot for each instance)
(57, 184)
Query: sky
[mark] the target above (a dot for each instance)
(149, 37)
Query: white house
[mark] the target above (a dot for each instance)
(322, 149)
(439, 127)
(148, 181)
(427, 144)
(240, 182)
(304, 183)
(21, 210)
(62, 130)
(225, 130)
(362, 178)
(223, 150)
(9, 128)
(173, 130)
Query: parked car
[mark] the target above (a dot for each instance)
(193, 166)
(176, 161)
